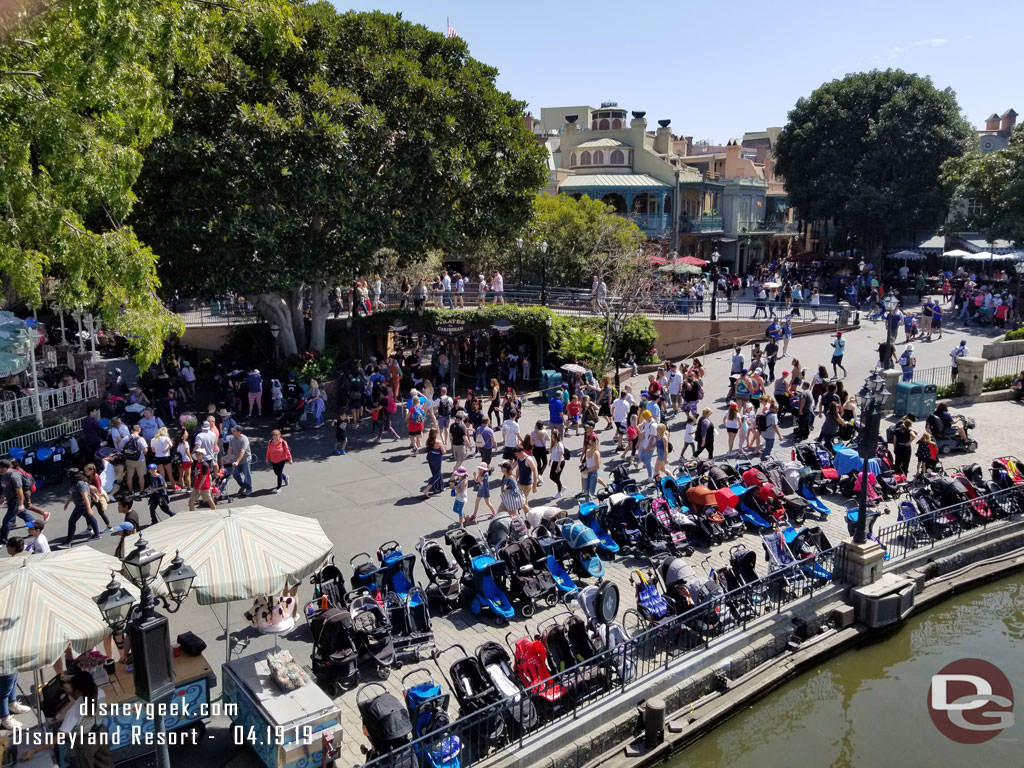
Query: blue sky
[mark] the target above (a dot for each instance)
(718, 69)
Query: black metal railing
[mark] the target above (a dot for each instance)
(913, 533)
(505, 725)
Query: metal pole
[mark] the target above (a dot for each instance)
(868, 447)
(92, 335)
(544, 280)
(714, 294)
(36, 403)
(63, 339)
(163, 757)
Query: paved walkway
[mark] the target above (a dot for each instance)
(372, 495)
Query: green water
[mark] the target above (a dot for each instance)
(867, 707)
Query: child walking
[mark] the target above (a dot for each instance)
(689, 436)
(460, 490)
(340, 425)
(482, 478)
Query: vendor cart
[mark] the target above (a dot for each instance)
(286, 729)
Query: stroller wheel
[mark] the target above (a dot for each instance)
(528, 610)
(500, 621)
(688, 551)
(551, 600)
(383, 671)
(475, 607)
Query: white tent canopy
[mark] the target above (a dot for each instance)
(956, 253)
(985, 256)
(907, 256)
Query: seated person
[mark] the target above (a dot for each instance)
(1017, 386)
(942, 423)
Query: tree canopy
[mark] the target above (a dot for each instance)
(290, 168)
(995, 182)
(866, 151)
(82, 94)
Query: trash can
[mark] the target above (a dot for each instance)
(908, 399)
(549, 380)
(929, 396)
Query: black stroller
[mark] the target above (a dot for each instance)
(372, 632)
(475, 691)
(443, 577)
(335, 658)
(409, 616)
(386, 722)
(528, 583)
(522, 715)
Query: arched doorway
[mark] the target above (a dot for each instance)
(644, 204)
(617, 201)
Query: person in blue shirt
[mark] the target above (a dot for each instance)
(555, 410)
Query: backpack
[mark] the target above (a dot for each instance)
(905, 359)
(132, 451)
(390, 405)
(418, 416)
(29, 476)
(762, 422)
(444, 407)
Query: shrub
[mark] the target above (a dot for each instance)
(639, 335)
(1017, 335)
(998, 382)
(315, 365)
(13, 429)
(955, 389)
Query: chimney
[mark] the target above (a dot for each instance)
(570, 124)
(1008, 121)
(663, 138)
(528, 121)
(638, 127)
(732, 167)
(992, 123)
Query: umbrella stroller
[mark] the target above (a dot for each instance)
(335, 657)
(599, 606)
(805, 543)
(428, 709)
(606, 545)
(372, 631)
(366, 575)
(442, 576)
(328, 590)
(584, 544)
(651, 605)
(475, 691)
(386, 723)
(676, 527)
(528, 583)
(916, 534)
(554, 554)
(398, 567)
(780, 558)
(743, 562)
(673, 490)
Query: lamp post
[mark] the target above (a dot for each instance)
(359, 337)
(617, 328)
(519, 248)
(547, 325)
(275, 331)
(148, 632)
(544, 273)
(870, 399)
(890, 304)
(715, 256)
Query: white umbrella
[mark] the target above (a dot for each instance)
(906, 256)
(243, 553)
(48, 604)
(956, 253)
(573, 368)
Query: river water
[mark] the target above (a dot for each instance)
(867, 706)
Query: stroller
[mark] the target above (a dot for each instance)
(676, 527)
(979, 505)
(805, 543)
(686, 590)
(563, 654)
(409, 616)
(366, 575)
(488, 574)
(651, 605)
(599, 606)
(475, 691)
(442, 577)
(428, 709)
(328, 590)
(710, 522)
(291, 418)
(386, 723)
(555, 554)
(622, 519)
(372, 631)
(532, 670)
(622, 482)
(528, 583)
(335, 656)
(673, 490)
(722, 476)
(950, 492)
(940, 523)
(780, 558)
(606, 546)
(584, 544)
(916, 533)
(398, 568)
(521, 715)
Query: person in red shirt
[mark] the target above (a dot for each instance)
(201, 481)
(573, 409)
(279, 454)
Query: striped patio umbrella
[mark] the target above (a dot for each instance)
(48, 604)
(243, 553)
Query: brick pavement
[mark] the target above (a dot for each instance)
(371, 495)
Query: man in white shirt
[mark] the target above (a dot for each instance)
(675, 388)
(904, 272)
(955, 354)
(498, 288)
(38, 544)
(620, 415)
(510, 434)
(118, 432)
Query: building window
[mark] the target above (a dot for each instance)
(616, 124)
(585, 158)
(599, 157)
(974, 207)
(617, 157)
(603, 125)
(593, 124)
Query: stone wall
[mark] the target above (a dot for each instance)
(678, 338)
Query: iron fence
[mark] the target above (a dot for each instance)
(227, 312)
(504, 725)
(914, 531)
(1004, 366)
(940, 377)
(42, 436)
(51, 400)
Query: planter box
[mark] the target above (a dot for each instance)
(996, 350)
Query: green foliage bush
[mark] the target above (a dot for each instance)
(955, 389)
(998, 382)
(1017, 335)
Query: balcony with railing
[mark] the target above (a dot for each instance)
(652, 223)
(707, 224)
(19, 408)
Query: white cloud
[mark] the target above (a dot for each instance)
(898, 50)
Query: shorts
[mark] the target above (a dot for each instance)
(620, 428)
(574, 419)
(161, 460)
(458, 506)
(732, 430)
(936, 322)
(443, 422)
(837, 360)
(604, 410)
(186, 468)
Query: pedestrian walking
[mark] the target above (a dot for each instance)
(460, 490)
(278, 455)
(541, 437)
(157, 493)
(526, 474)
(316, 404)
(903, 437)
(417, 419)
(767, 424)
(662, 447)
(705, 434)
(838, 350)
(689, 436)
(482, 478)
(731, 424)
(202, 478)
(254, 389)
(559, 455)
(907, 362)
(955, 354)
(435, 458)
(511, 497)
(239, 458)
(80, 496)
(590, 465)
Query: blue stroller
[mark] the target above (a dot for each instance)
(606, 545)
(398, 568)
(428, 709)
(488, 573)
(584, 544)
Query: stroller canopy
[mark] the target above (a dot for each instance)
(385, 718)
(848, 460)
(675, 570)
(579, 535)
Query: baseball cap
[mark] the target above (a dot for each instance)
(151, 466)
(35, 524)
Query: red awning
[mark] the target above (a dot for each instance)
(657, 261)
(691, 260)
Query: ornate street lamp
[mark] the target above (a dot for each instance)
(715, 256)
(870, 399)
(544, 272)
(519, 248)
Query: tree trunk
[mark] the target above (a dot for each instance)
(297, 318)
(318, 328)
(275, 307)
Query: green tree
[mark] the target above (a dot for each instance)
(996, 181)
(82, 94)
(287, 171)
(585, 237)
(866, 151)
